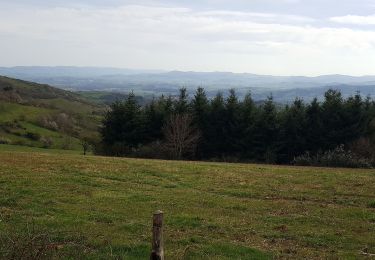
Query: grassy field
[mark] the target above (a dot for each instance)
(96, 207)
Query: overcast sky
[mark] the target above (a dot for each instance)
(279, 37)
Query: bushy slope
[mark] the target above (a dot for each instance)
(40, 115)
(101, 208)
(29, 91)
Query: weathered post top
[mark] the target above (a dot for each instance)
(157, 236)
(158, 218)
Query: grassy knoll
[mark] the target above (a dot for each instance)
(11, 111)
(16, 120)
(42, 116)
(98, 207)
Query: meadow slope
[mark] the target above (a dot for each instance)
(96, 207)
(39, 115)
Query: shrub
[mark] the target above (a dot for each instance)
(2, 108)
(154, 150)
(67, 143)
(338, 157)
(4, 140)
(62, 122)
(364, 148)
(65, 123)
(88, 141)
(8, 88)
(33, 136)
(119, 149)
(48, 123)
(371, 204)
(22, 118)
(19, 142)
(46, 142)
(10, 125)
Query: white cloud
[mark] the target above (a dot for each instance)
(354, 19)
(182, 38)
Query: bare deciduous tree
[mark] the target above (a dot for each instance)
(181, 137)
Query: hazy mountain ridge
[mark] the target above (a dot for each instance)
(146, 82)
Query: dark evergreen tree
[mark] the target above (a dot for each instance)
(123, 126)
(232, 130)
(333, 117)
(168, 106)
(216, 135)
(247, 121)
(154, 120)
(200, 108)
(266, 131)
(200, 113)
(369, 120)
(292, 140)
(314, 131)
(182, 104)
(354, 118)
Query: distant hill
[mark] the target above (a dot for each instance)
(20, 91)
(40, 115)
(148, 83)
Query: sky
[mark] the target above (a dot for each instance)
(273, 37)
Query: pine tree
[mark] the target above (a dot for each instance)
(154, 120)
(123, 125)
(333, 116)
(292, 132)
(266, 132)
(232, 126)
(314, 131)
(200, 108)
(216, 135)
(200, 112)
(182, 104)
(248, 115)
(355, 118)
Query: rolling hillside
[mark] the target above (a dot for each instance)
(76, 207)
(43, 116)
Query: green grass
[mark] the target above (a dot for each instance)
(12, 111)
(97, 207)
(24, 105)
(26, 119)
(27, 125)
(69, 106)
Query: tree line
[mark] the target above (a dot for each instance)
(233, 129)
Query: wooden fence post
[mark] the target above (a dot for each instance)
(157, 237)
